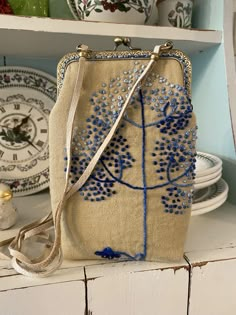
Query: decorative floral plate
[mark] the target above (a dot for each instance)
(203, 179)
(26, 98)
(207, 183)
(210, 198)
(207, 164)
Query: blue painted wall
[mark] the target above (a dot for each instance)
(210, 95)
(208, 14)
(47, 65)
(210, 99)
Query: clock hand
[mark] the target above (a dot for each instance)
(16, 129)
(31, 143)
(22, 136)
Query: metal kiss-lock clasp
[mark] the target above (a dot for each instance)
(126, 41)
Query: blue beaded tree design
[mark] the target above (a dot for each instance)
(172, 156)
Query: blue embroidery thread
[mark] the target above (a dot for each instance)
(173, 112)
(144, 176)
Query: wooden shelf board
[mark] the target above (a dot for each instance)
(211, 237)
(45, 37)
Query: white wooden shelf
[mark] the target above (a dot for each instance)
(45, 37)
(211, 251)
(107, 287)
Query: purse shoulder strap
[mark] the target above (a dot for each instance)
(46, 266)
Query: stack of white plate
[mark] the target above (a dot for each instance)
(208, 170)
(210, 190)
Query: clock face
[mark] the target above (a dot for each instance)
(26, 100)
(23, 132)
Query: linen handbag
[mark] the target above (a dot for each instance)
(122, 158)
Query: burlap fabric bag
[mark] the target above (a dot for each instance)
(122, 157)
(138, 199)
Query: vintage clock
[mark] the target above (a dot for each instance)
(26, 99)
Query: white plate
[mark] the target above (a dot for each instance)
(206, 178)
(207, 183)
(37, 90)
(202, 194)
(209, 201)
(207, 164)
(209, 208)
(210, 197)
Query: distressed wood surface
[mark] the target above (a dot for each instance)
(138, 288)
(59, 299)
(213, 287)
(10, 280)
(211, 251)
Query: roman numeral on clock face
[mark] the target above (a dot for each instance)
(40, 118)
(30, 153)
(2, 109)
(14, 157)
(17, 106)
(43, 130)
(1, 153)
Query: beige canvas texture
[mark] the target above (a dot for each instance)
(118, 220)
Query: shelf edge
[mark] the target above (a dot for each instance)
(55, 26)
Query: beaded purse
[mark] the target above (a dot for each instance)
(122, 157)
